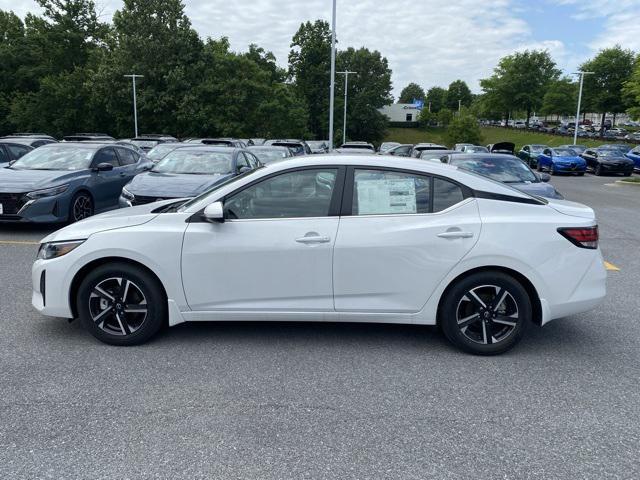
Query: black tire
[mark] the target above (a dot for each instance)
(81, 207)
(491, 333)
(581, 174)
(627, 174)
(552, 170)
(538, 166)
(598, 170)
(143, 295)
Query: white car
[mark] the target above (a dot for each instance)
(332, 238)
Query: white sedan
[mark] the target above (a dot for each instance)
(330, 238)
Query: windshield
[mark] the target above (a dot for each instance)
(608, 153)
(564, 152)
(268, 155)
(160, 151)
(195, 162)
(476, 149)
(505, 170)
(296, 148)
(317, 144)
(360, 146)
(60, 157)
(146, 144)
(218, 186)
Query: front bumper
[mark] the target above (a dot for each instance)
(50, 295)
(616, 168)
(17, 208)
(569, 168)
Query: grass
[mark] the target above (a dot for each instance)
(631, 180)
(490, 135)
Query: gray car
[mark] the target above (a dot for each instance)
(267, 154)
(64, 182)
(187, 172)
(507, 169)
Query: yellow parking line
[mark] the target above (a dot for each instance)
(18, 242)
(611, 267)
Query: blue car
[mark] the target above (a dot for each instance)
(507, 169)
(635, 156)
(66, 182)
(187, 172)
(561, 160)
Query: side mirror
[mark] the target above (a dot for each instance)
(244, 169)
(214, 212)
(103, 167)
(545, 177)
(12, 162)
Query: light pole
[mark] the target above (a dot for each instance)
(575, 132)
(135, 106)
(333, 74)
(346, 74)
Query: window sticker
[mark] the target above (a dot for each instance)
(386, 196)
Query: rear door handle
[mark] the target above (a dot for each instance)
(456, 234)
(311, 239)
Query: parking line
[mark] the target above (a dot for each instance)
(611, 267)
(18, 242)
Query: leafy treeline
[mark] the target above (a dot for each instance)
(63, 72)
(529, 81)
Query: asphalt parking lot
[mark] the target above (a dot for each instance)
(260, 401)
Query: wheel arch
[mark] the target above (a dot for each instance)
(84, 271)
(522, 279)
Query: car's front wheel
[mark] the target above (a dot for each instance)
(486, 313)
(598, 170)
(81, 207)
(121, 304)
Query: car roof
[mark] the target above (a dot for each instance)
(212, 148)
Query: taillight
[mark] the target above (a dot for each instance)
(583, 237)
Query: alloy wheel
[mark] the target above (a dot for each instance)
(487, 314)
(82, 208)
(117, 306)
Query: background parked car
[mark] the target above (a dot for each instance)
(506, 169)
(297, 147)
(220, 142)
(385, 146)
(474, 149)
(359, 146)
(89, 137)
(635, 156)
(10, 150)
(318, 146)
(579, 149)
(529, 154)
(66, 181)
(420, 147)
(161, 150)
(148, 141)
(561, 160)
(29, 140)
(502, 147)
(187, 172)
(400, 151)
(269, 154)
(608, 160)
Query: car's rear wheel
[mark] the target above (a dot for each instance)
(538, 166)
(581, 174)
(121, 304)
(81, 207)
(598, 170)
(486, 313)
(552, 170)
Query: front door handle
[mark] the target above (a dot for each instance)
(313, 237)
(455, 234)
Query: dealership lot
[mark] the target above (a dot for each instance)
(327, 401)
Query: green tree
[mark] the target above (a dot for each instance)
(411, 92)
(464, 128)
(309, 67)
(444, 117)
(436, 97)
(612, 69)
(560, 98)
(426, 118)
(632, 91)
(458, 91)
(369, 90)
(520, 81)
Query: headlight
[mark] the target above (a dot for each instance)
(128, 195)
(51, 250)
(47, 192)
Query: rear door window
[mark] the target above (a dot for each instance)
(17, 151)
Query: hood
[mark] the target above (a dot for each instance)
(22, 181)
(540, 189)
(121, 218)
(560, 158)
(615, 160)
(172, 185)
(572, 209)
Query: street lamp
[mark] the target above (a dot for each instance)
(135, 107)
(346, 74)
(333, 74)
(575, 132)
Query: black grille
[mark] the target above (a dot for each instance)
(12, 203)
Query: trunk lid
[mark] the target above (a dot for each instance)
(572, 209)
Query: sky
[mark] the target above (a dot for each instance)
(429, 42)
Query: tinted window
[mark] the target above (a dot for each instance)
(106, 155)
(17, 151)
(242, 161)
(445, 194)
(502, 168)
(127, 157)
(253, 161)
(378, 192)
(304, 193)
(3, 156)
